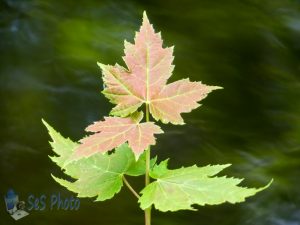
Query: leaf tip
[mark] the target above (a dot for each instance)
(226, 165)
(180, 122)
(146, 21)
(145, 15)
(216, 88)
(269, 184)
(45, 123)
(49, 128)
(101, 65)
(55, 178)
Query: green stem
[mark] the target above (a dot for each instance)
(147, 178)
(130, 187)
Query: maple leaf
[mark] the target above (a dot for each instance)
(180, 188)
(114, 131)
(145, 80)
(99, 175)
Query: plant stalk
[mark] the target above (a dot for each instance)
(147, 178)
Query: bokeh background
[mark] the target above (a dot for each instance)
(48, 55)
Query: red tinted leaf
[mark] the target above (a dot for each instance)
(145, 81)
(114, 131)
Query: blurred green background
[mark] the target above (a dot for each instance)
(49, 51)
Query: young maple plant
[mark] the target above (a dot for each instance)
(100, 173)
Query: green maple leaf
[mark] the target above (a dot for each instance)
(181, 188)
(99, 175)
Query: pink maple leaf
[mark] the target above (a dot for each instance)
(145, 80)
(114, 131)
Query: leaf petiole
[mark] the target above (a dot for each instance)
(130, 187)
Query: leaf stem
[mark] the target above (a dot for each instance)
(147, 178)
(130, 187)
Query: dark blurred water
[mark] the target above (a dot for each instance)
(49, 51)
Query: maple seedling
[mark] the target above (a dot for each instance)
(119, 146)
